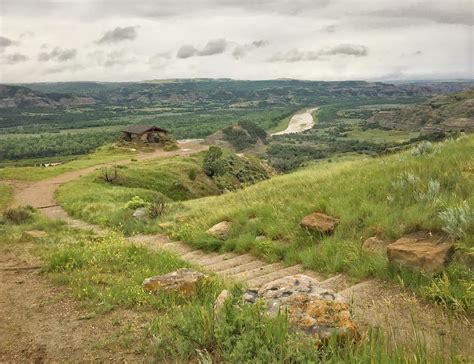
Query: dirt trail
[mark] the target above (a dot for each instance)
(40, 323)
(299, 122)
(41, 194)
(374, 303)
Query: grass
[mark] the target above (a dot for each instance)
(365, 196)
(381, 136)
(174, 179)
(104, 154)
(171, 179)
(106, 273)
(6, 193)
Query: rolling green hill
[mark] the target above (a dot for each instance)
(388, 196)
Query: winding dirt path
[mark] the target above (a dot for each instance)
(299, 122)
(41, 194)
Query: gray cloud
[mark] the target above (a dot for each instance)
(216, 46)
(460, 14)
(186, 51)
(118, 35)
(14, 58)
(295, 55)
(241, 50)
(58, 54)
(213, 47)
(118, 58)
(346, 49)
(156, 8)
(5, 42)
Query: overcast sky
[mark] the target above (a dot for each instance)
(134, 40)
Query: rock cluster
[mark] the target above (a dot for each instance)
(183, 280)
(319, 222)
(421, 251)
(220, 230)
(311, 309)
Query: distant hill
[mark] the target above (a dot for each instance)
(454, 112)
(201, 92)
(23, 97)
(243, 136)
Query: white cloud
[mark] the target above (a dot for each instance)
(128, 40)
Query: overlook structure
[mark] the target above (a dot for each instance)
(145, 133)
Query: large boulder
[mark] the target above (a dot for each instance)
(140, 213)
(374, 245)
(319, 222)
(421, 251)
(220, 230)
(183, 280)
(312, 309)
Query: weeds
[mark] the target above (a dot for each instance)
(18, 215)
(457, 220)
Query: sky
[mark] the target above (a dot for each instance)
(136, 40)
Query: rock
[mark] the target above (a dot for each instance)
(220, 301)
(374, 245)
(319, 222)
(220, 230)
(260, 237)
(183, 280)
(33, 235)
(312, 309)
(421, 251)
(167, 225)
(139, 213)
(321, 318)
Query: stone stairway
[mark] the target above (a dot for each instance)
(373, 303)
(237, 267)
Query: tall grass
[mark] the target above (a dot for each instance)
(5, 196)
(367, 196)
(106, 273)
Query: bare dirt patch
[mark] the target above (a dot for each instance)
(42, 323)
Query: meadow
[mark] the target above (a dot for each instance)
(105, 274)
(388, 196)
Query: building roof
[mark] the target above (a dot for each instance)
(142, 128)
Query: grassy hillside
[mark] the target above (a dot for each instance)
(164, 180)
(105, 154)
(389, 196)
(454, 112)
(105, 274)
(5, 195)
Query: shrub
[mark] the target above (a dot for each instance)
(212, 164)
(136, 202)
(423, 148)
(457, 220)
(18, 215)
(192, 174)
(157, 207)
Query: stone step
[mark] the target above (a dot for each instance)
(177, 247)
(194, 255)
(206, 257)
(231, 263)
(256, 272)
(267, 278)
(242, 268)
(336, 283)
(218, 258)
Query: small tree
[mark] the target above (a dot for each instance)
(109, 174)
(212, 164)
